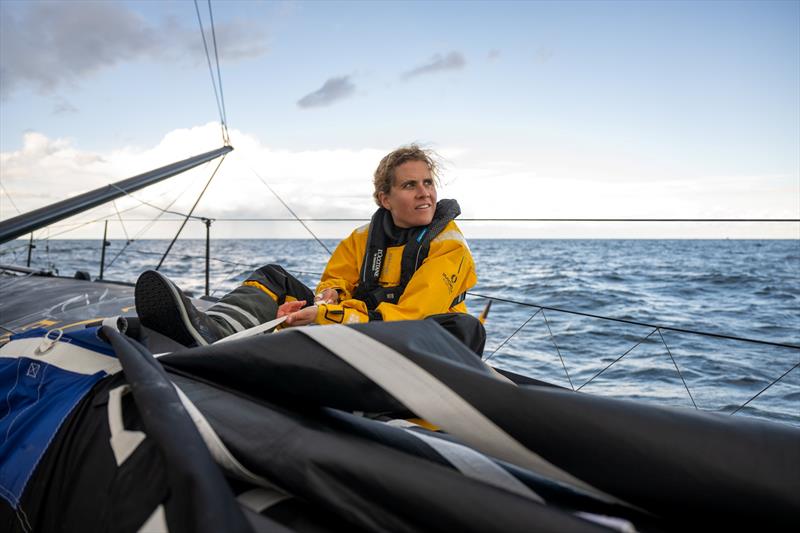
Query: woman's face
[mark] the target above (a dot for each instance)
(412, 197)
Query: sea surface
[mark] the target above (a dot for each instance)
(738, 288)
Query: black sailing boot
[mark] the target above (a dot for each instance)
(162, 306)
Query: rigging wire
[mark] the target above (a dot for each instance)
(764, 389)
(81, 224)
(219, 74)
(656, 329)
(235, 265)
(290, 210)
(363, 219)
(553, 339)
(223, 125)
(612, 363)
(510, 336)
(636, 323)
(148, 204)
(676, 368)
(151, 222)
(183, 224)
(122, 223)
(78, 225)
(10, 199)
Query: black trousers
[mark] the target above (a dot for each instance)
(282, 284)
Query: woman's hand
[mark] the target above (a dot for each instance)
(302, 317)
(327, 296)
(296, 314)
(290, 307)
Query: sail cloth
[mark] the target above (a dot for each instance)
(43, 377)
(663, 460)
(283, 406)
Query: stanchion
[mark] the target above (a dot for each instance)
(103, 250)
(207, 222)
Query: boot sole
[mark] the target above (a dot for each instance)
(160, 307)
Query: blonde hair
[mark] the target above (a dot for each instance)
(384, 174)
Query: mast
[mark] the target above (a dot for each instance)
(28, 222)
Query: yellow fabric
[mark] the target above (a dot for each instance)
(340, 314)
(448, 271)
(263, 287)
(424, 423)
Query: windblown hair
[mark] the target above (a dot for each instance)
(384, 174)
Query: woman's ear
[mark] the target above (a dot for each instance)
(383, 198)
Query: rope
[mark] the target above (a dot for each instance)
(510, 336)
(183, 224)
(764, 389)
(617, 359)
(291, 211)
(635, 323)
(553, 339)
(677, 369)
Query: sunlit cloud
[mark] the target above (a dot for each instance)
(337, 183)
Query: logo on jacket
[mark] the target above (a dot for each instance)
(377, 259)
(450, 281)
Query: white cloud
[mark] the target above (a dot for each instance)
(338, 184)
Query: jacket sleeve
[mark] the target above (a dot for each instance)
(448, 271)
(341, 272)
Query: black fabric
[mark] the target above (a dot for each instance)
(382, 234)
(292, 369)
(270, 399)
(464, 327)
(199, 499)
(667, 461)
(554, 493)
(77, 485)
(368, 484)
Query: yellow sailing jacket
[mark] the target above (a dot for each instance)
(448, 271)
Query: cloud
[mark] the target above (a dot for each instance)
(63, 107)
(336, 183)
(493, 54)
(333, 90)
(452, 61)
(47, 45)
(315, 183)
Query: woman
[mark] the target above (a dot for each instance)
(410, 262)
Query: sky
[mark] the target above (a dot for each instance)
(537, 109)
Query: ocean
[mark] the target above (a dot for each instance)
(738, 288)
